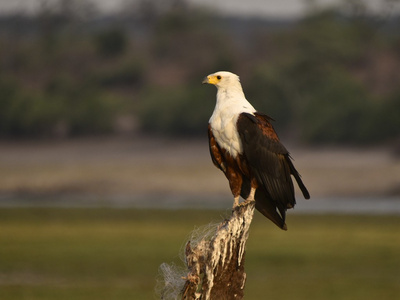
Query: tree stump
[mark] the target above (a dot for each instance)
(215, 266)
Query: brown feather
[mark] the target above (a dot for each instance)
(269, 163)
(264, 163)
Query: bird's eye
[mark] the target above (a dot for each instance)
(219, 77)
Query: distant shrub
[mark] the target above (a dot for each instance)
(176, 111)
(80, 110)
(27, 114)
(90, 112)
(339, 110)
(271, 94)
(111, 42)
(387, 120)
(86, 109)
(131, 74)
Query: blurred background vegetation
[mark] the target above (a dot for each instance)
(331, 77)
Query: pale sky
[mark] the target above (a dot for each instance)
(269, 8)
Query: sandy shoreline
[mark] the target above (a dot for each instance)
(130, 168)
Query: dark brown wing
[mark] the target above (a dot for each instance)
(269, 162)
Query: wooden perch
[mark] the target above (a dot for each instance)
(216, 265)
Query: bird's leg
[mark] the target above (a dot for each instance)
(235, 183)
(250, 198)
(236, 201)
(251, 194)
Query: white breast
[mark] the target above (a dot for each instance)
(223, 124)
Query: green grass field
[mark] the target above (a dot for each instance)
(48, 253)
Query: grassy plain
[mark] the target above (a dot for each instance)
(77, 253)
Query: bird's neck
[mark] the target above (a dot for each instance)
(232, 99)
(231, 92)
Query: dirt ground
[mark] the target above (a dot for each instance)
(139, 167)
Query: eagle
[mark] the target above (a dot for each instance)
(245, 147)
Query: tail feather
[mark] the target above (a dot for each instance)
(268, 208)
(297, 176)
(265, 205)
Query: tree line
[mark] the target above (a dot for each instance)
(330, 77)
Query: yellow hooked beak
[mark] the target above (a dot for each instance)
(211, 79)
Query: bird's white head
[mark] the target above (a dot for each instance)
(223, 79)
(230, 92)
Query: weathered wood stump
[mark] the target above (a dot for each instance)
(216, 265)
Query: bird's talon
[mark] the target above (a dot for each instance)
(244, 203)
